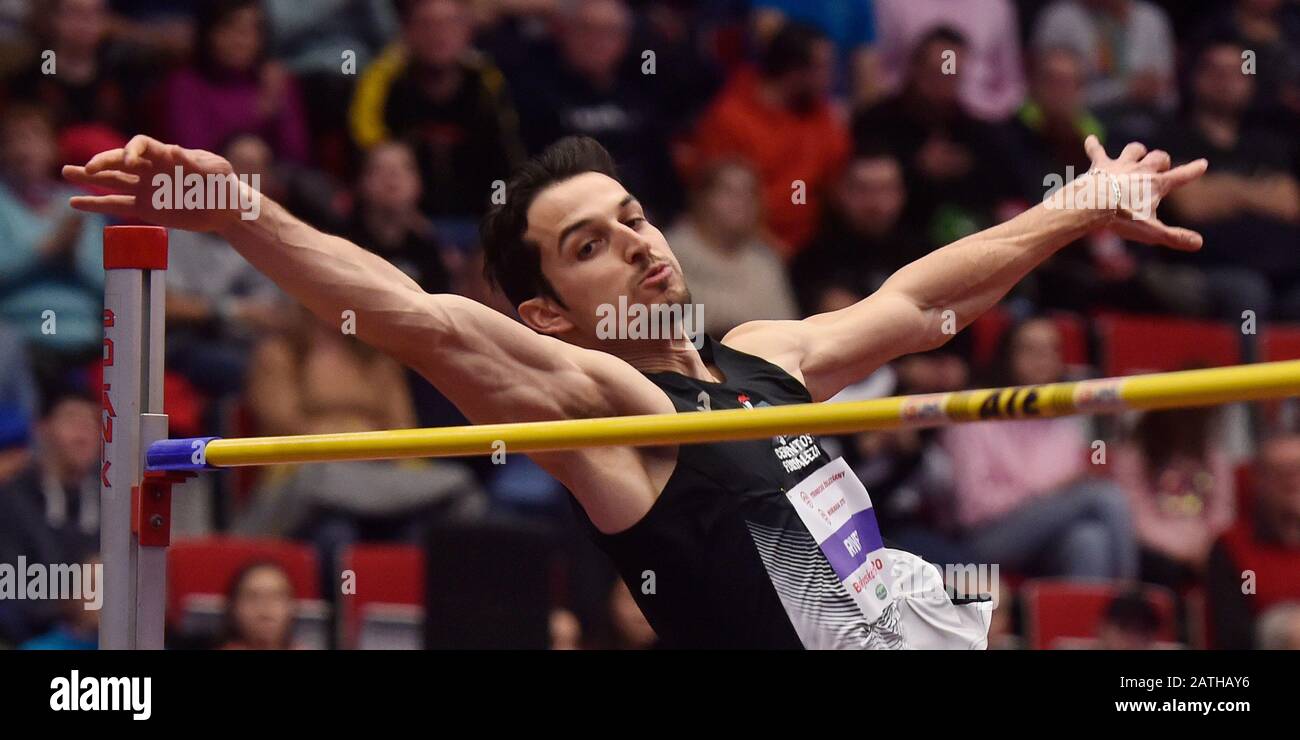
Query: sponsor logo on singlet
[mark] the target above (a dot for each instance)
(795, 454)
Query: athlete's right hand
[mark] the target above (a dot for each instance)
(134, 175)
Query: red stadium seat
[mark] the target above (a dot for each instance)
(1280, 342)
(986, 333)
(1146, 344)
(1061, 610)
(182, 402)
(205, 567)
(389, 581)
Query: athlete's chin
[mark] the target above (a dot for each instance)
(669, 294)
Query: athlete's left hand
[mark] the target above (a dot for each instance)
(1144, 179)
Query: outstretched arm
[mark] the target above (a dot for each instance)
(909, 312)
(490, 366)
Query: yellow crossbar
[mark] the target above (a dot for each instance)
(1156, 391)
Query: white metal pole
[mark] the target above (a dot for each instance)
(134, 257)
(151, 562)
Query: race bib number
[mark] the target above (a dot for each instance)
(836, 509)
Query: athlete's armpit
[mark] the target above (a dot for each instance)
(494, 369)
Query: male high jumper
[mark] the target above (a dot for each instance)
(758, 543)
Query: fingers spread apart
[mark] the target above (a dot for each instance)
(1182, 174)
(1095, 151)
(1155, 231)
(1156, 161)
(1134, 152)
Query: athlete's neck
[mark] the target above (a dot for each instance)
(664, 356)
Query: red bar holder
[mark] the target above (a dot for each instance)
(151, 506)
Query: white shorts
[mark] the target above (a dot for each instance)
(923, 616)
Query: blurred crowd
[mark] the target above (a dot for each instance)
(795, 152)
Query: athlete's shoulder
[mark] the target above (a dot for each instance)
(777, 341)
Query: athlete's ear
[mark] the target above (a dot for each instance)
(543, 315)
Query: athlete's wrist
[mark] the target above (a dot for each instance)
(1108, 190)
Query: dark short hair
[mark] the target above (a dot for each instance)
(215, 13)
(707, 177)
(56, 391)
(406, 8)
(1211, 42)
(1133, 612)
(943, 34)
(230, 630)
(790, 50)
(509, 261)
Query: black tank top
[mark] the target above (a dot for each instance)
(722, 559)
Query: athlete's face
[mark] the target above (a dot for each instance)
(596, 246)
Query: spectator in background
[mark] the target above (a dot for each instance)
(49, 513)
(779, 119)
(1279, 628)
(160, 30)
(991, 83)
(907, 471)
(14, 452)
(51, 263)
(1253, 566)
(1128, 48)
(387, 220)
(1248, 207)
(79, 84)
(325, 43)
(861, 241)
(78, 627)
(318, 379)
(1024, 495)
(954, 164)
(590, 82)
(1054, 121)
(735, 274)
(1272, 33)
(850, 24)
(1130, 622)
(307, 192)
(448, 102)
(233, 87)
(16, 41)
(1099, 270)
(260, 609)
(17, 402)
(217, 303)
(693, 42)
(1048, 132)
(1181, 492)
(909, 476)
(311, 38)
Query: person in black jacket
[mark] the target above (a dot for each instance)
(49, 513)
